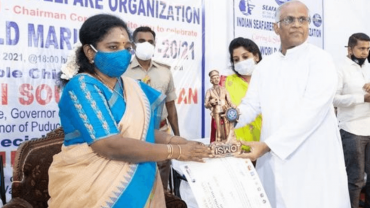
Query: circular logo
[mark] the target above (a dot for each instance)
(280, 2)
(232, 114)
(316, 19)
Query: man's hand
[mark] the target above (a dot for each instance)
(367, 98)
(366, 87)
(257, 150)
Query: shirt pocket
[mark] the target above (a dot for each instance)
(160, 87)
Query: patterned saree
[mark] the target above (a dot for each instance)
(89, 111)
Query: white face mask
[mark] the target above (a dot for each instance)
(245, 67)
(144, 51)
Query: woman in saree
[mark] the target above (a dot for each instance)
(244, 56)
(111, 144)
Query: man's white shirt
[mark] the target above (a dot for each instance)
(352, 111)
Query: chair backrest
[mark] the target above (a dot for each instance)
(31, 165)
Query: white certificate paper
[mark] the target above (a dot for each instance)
(225, 182)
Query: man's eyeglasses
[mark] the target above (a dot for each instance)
(290, 20)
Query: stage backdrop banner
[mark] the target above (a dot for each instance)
(254, 19)
(37, 35)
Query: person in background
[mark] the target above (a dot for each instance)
(158, 76)
(353, 111)
(300, 156)
(244, 57)
(111, 144)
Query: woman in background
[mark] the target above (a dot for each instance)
(111, 144)
(244, 56)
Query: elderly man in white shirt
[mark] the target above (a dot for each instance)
(353, 104)
(300, 157)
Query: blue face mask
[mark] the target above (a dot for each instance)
(113, 64)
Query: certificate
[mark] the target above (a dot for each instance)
(225, 182)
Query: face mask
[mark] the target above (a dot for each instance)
(144, 51)
(358, 61)
(245, 67)
(113, 64)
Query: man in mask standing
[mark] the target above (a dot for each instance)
(353, 104)
(158, 76)
(300, 157)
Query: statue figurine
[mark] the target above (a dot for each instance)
(225, 113)
(218, 101)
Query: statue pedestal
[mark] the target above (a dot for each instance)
(225, 149)
(230, 145)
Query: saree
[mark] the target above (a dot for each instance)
(89, 111)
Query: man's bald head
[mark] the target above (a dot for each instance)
(292, 24)
(281, 7)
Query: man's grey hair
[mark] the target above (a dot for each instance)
(277, 13)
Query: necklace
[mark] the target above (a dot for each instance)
(113, 88)
(102, 80)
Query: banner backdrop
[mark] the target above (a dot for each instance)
(36, 36)
(254, 19)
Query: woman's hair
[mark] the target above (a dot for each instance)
(92, 31)
(248, 45)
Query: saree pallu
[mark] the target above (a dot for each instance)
(81, 178)
(237, 89)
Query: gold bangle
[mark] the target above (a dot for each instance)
(170, 152)
(179, 153)
(169, 141)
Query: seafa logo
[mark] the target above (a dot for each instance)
(280, 2)
(316, 19)
(246, 7)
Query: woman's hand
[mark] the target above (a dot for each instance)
(198, 143)
(193, 151)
